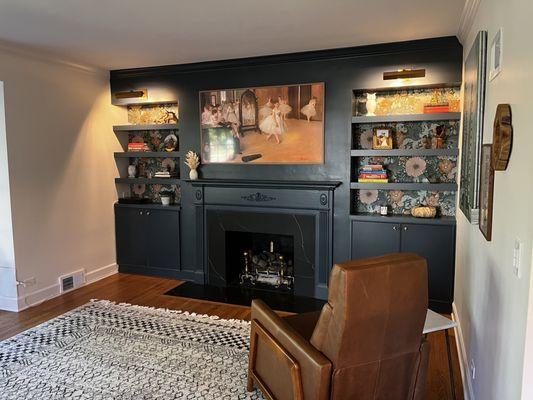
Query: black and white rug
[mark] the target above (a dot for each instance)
(106, 351)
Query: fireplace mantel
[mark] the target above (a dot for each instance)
(270, 201)
(274, 184)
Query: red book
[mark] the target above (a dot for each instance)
(436, 109)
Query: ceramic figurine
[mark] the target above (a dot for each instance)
(440, 134)
(371, 104)
(132, 170)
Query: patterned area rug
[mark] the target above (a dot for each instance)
(104, 350)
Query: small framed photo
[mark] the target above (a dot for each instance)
(486, 191)
(382, 139)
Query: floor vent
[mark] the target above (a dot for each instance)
(67, 283)
(71, 281)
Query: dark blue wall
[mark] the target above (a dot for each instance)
(342, 70)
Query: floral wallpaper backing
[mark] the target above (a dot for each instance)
(156, 141)
(410, 101)
(401, 202)
(409, 135)
(153, 114)
(414, 169)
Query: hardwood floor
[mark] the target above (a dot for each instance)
(148, 291)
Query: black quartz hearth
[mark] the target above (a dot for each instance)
(243, 296)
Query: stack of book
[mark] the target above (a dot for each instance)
(373, 174)
(162, 174)
(137, 146)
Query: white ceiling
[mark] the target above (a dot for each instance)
(115, 34)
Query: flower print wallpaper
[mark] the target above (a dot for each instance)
(156, 141)
(401, 202)
(408, 169)
(414, 169)
(409, 135)
(153, 114)
(411, 101)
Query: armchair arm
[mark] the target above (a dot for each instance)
(282, 362)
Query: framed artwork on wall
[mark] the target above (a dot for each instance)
(263, 125)
(473, 111)
(486, 192)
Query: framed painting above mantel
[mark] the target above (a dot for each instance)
(263, 125)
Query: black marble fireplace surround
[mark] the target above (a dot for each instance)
(223, 266)
(300, 210)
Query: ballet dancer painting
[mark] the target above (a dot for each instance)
(263, 125)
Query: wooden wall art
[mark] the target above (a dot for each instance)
(502, 139)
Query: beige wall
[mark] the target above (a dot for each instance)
(491, 302)
(60, 147)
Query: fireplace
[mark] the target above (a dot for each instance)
(262, 249)
(284, 227)
(260, 260)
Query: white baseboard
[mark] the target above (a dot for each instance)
(37, 297)
(466, 375)
(101, 273)
(9, 303)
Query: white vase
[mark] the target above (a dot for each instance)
(165, 200)
(193, 174)
(371, 104)
(132, 170)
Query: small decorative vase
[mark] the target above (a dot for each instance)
(165, 200)
(193, 174)
(371, 104)
(132, 170)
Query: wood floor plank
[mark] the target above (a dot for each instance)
(149, 291)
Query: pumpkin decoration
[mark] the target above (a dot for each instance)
(424, 212)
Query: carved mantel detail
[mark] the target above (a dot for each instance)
(258, 197)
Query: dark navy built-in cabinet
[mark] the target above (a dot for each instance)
(434, 242)
(148, 239)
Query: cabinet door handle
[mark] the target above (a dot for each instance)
(405, 228)
(140, 212)
(394, 228)
(147, 212)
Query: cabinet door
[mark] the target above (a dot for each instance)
(163, 229)
(370, 239)
(437, 245)
(130, 236)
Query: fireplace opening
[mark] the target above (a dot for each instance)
(260, 260)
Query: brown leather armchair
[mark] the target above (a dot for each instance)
(366, 343)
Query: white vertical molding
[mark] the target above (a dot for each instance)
(468, 387)
(467, 18)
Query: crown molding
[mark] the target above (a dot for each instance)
(382, 49)
(467, 19)
(40, 55)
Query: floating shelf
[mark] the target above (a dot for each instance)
(450, 116)
(150, 127)
(150, 206)
(445, 187)
(147, 154)
(399, 219)
(148, 181)
(405, 152)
